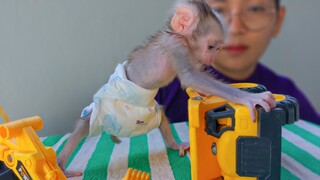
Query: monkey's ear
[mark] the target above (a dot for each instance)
(183, 20)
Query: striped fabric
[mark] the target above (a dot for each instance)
(99, 158)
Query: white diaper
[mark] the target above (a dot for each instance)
(122, 108)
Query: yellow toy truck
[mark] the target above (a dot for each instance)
(22, 155)
(226, 144)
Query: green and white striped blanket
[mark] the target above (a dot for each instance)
(99, 158)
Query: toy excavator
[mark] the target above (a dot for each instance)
(22, 155)
(226, 144)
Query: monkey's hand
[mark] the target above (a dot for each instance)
(265, 99)
(181, 147)
(168, 138)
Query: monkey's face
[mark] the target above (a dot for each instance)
(206, 46)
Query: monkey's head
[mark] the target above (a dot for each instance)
(200, 28)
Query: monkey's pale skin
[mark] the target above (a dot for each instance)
(191, 39)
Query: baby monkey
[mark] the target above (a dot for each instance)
(125, 106)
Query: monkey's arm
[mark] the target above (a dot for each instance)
(81, 130)
(190, 76)
(168, 137)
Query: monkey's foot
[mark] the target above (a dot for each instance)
(70, 174)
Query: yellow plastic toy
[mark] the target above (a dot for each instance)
(225, 142)
(22, 155)
(134, 174)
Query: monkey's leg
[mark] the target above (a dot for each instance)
(168, 137)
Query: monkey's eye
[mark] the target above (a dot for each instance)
(211, 47)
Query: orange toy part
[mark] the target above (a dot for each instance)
(21, 150)
(133, 174)
(201, 158)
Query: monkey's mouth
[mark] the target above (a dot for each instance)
(207, 62)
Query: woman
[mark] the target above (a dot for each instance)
(251, 26)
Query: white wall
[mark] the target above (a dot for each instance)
(55, 54)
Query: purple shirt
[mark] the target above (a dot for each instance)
(175, 99)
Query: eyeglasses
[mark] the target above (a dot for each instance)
(254, 17)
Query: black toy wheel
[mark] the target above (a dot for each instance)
(290, 106)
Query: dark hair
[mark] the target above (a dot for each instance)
(277, 4)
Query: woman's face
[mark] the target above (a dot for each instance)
(251, 24)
